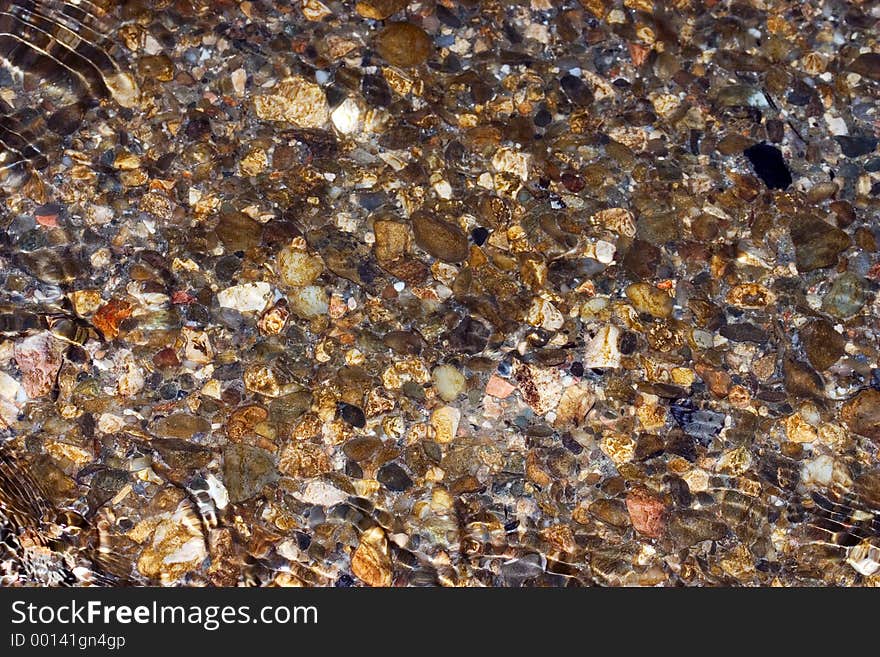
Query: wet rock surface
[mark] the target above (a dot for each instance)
(392, 293)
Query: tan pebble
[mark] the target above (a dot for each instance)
(297, 268)
(371, 562)
(646, 298)
(444, 421)
(308, 302)
(602, 350)
(295, 100)
(448, 381)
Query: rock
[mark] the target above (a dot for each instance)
(109, 316)
(404, 45)
(540, 387)
(177, 547)
(298, 268)
(817, 243)
(646, 513)
(822, 344)
(321, 493)
(310, 301)
(867, 64)
(352, 415)
(646, 298)
(602, 351)
(847, 295)
(690, 526)
(371, 562)
(750, 295)
(861, 414)
(612, 512)
(361, 448)
(801, 380)
(181, 425)
(769, 164)
(246, 298)
(196, 346)
(303, 460)
(237, 231)
(246, 470)
(498, 387)
(701, 423)
(393, 477)
(443, 240)
(744, 332)
(39, 359)
(295, 100)
(448, 381)
(379, 10)
(856, 146)
(444, 421)
(392, 239)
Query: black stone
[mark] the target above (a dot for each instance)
(744, 332)
(352, 415)
(376, 90)
(769, 164)
(393, 477)
(479, 235)
(577, 368)
(543, 118)
(856, 146)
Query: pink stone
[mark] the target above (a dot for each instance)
(498, 387)
(39, 359)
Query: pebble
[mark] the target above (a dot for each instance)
(449, 382)
(404, 44)
(443, 240)
(246, 298)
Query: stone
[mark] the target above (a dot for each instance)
(444, 421)
(404, 44)
(646, 513)
(39, 359)
(817, 243)
(309, 301)
(379, 10)
(394, 477)
(371, 562)
(246, 470)
(181, 425)
(823, 345)
(856, 146)
(646, 298)
(441, 239)
(392, 239)
(769, 164)
(246, 298)
(602, 349)
(861, 414)
(867, 64)
(449, 382)
(846, 297)
(298, 268)
(294, 100)
(176, 547)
